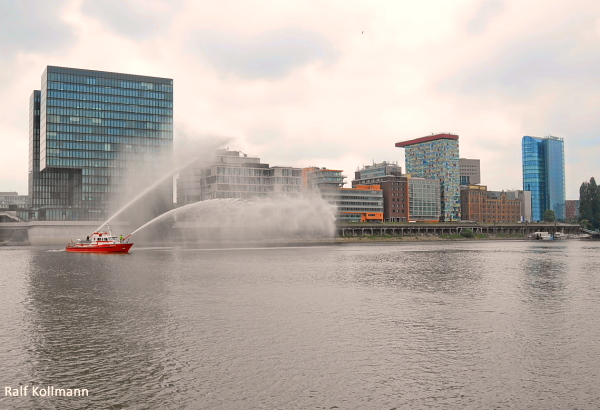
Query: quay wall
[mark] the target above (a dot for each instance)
(61, 232)
(436, 229)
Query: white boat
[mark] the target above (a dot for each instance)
(542, 236)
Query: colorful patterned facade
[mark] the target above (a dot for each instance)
(437, 157)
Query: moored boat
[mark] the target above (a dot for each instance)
(101, 242)
(542, 236)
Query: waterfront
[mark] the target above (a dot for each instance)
(465, 324)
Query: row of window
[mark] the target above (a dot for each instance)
(61, 153)
(109, 91)
(234, 194)
(110, 82)
(106, 139)
(243, 180)
(374, 208)
(243, 188)
(109, 107)
(67, 95)
(287, 181)
(91, 146)
(352, 198)
(254, 180)
(321, 179)
(291, 172)
(50, 185)
(91, 163)
(130, 132)
(98, 122)
(60, 175)
(243, 171)
(108, 172)
(72, 112)
(95, 180)
(45, 199)
(101, 188)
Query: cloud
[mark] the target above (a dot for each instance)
(486, 12)
(271, 54)
(132, 18)
(532, 64)
(34, 25)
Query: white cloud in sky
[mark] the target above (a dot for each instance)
(298, 83)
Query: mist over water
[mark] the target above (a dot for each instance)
(149, 186)
(248, 220)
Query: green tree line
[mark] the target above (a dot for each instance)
(589, 204)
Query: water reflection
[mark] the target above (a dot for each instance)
(446, 325)
(90, 316)
(544, 271)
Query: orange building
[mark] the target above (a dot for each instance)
(363, 203)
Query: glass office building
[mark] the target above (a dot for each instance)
(90, 131)
(544, 175)
(424, 199)
(436, 157)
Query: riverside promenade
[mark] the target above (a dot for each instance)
(60, 232)
(452, 228)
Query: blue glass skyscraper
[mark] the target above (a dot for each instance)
(88, 131)
(544, 175)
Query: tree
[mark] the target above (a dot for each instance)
(467, 233)
(584, 223)
(549, 215)
(589, 202)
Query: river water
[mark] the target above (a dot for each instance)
(471, 324)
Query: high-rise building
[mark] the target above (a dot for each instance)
(470, 171)
(544, 175)
(436, 157)
(89, 132)
(233, 174)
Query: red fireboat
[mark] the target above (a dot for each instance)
(101, 242)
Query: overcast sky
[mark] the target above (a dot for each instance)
(329, 83)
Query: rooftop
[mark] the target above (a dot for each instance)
(432, 137)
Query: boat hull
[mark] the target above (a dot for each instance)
(108, 248)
